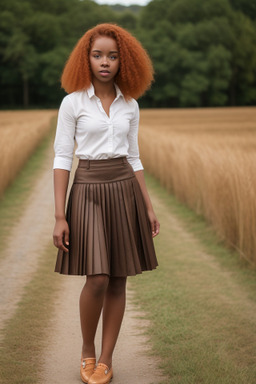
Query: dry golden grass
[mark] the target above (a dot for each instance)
(20, 133)
(207, 158)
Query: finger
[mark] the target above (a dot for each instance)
(155, 232)
(60, 245)
(153, 228)
(55, 241)
(63, 248)
(66, 239)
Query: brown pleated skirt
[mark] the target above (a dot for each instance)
(109, 227)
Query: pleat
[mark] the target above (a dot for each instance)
(109, 229)
(130, 231)
(144, 226)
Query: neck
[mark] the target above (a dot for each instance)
(103, 90)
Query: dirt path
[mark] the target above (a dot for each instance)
(27, 241)
(61, 359)
(61, 362)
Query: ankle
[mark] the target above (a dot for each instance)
(88, 351)
(106, 361)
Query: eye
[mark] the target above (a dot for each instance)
(113, 57)
(96, 55)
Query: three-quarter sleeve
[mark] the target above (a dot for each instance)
(133, 150)
(65, 136)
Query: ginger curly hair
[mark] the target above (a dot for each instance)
(136, 71)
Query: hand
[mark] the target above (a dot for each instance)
(155, 225)
(60, 233)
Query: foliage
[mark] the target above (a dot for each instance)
(36, 38)
(204, 53)
(123, 8)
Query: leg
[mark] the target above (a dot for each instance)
(113, 311)
(91, 302)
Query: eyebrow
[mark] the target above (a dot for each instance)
(97, 50)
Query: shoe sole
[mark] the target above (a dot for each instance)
(106, 383)
(110, 380)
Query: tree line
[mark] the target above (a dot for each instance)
(204, 52)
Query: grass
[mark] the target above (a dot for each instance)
(14, 200)
(201, 301)
(24, 334)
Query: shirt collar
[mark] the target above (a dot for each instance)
(91, 91)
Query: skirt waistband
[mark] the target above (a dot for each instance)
(103, 170)
(87, 163)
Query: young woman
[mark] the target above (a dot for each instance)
(108, 229)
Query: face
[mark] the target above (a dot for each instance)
(104, 59)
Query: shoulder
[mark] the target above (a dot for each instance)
(73, 97)
(133, 105)
(72, 100)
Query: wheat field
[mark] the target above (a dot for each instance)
(20, 133)
(207, 158)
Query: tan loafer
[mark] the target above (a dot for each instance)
(87, 368)
(101, 375)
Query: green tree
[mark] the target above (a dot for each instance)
(242, 87)
(203, 53)
(247, 7)
(36, 38)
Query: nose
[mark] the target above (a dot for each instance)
(104, 61)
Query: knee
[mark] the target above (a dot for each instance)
(117, 286)
(97, 284)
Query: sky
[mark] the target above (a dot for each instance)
(123, 2)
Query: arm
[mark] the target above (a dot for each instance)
(61, 230)
(134, 160)
(155, 225)
(63, 147)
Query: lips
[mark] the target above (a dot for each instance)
(104, 73)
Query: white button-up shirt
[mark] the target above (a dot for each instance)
(83, 119)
